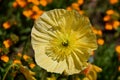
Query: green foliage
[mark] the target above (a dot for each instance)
(106, 58)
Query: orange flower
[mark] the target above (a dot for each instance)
(16, 61)
(6, 25)
(113, 1)
(27, 13)
(95, 31)
(108, 26)
(21, 3)
(49, 1)
(75, 6)
(119, 68)
(19, 54)
(81, 12)
(100, 41)
(7, 43)
(35, 2)
(25, 57)
(117, 49)
(5, 58)
(80, 2)
(69, 8)
(35, 16)
(35, 8)
(15, 4)
(40, 12)
(106, 18)
(110, 12)
(32, 65)
(29, 0)
(43, 2)
(99, 32)
(116, 24)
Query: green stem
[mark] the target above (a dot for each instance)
(7, 71)
(26, 45)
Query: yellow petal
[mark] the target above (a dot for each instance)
(97, 69)
(46, 62)
(72, 20)
(86, 78)
(90, 77)
(93, 74)
(28, 74)
(71, 66)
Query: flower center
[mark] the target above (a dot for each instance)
(65, 43)
(62, 46)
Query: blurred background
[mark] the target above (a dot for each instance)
(17, 18)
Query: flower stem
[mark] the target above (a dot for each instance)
(7, 71)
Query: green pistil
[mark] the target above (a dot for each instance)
(65, 43)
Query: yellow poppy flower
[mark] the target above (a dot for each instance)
(62, 41)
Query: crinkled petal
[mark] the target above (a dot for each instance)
(46, 62)
(73, 21)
